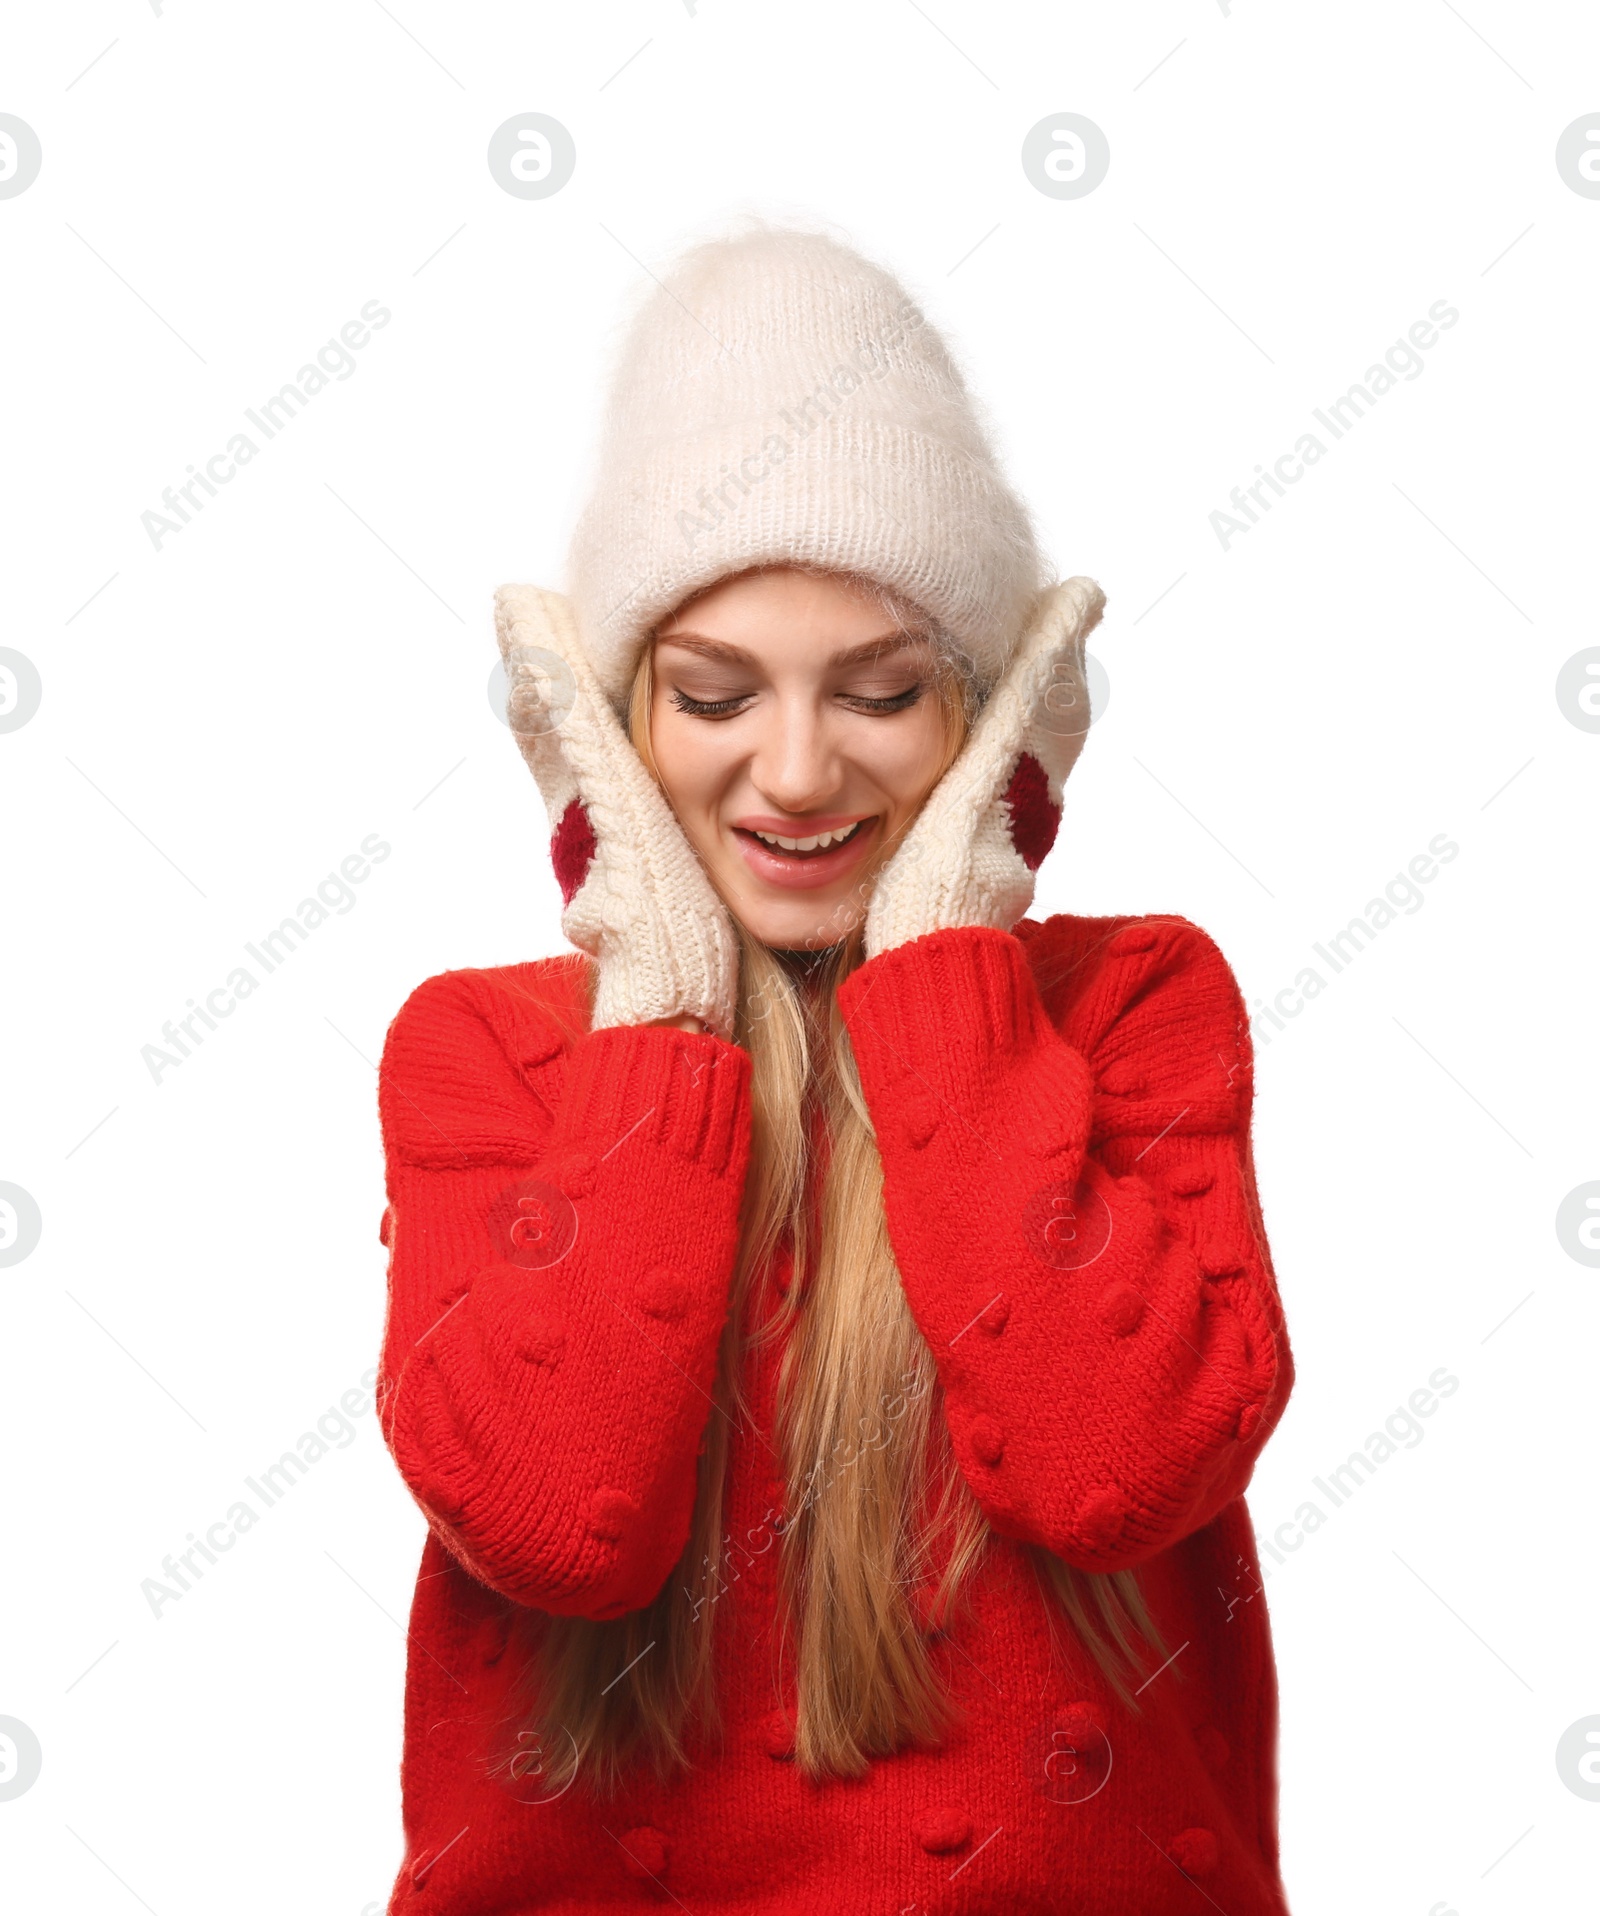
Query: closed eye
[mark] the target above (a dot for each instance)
(711, 708)
(857, 702)
(899, 702)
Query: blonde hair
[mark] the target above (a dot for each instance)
(863, 1528)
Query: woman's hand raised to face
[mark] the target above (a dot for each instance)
(971, 856)
(635, 896)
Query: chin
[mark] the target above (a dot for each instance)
(791, 927)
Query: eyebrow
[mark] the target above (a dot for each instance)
(726, 654)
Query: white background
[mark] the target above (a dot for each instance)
(1291, 720)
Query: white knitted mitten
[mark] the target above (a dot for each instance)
(636, 897)
(971, 855)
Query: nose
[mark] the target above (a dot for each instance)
(797, 765)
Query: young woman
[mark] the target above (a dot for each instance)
(831, 1325)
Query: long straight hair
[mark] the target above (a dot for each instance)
(880, 1534)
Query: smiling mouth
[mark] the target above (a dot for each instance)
(816, 845)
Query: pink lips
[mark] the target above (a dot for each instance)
(803, 874)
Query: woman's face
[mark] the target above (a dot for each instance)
(788, 708)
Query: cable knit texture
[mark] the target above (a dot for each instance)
(779, 399)
(634, 893)
(1063, 1114)
(971, 856)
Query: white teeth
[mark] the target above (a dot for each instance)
(818, 843)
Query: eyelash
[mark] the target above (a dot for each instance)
(728, 708)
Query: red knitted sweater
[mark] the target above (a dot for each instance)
(1063, 1115)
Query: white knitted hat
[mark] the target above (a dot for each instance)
(781, 400)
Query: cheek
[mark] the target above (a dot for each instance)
(905, 759)
(692, 762)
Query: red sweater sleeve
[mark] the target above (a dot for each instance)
(562, 1225)
(1072, 1205)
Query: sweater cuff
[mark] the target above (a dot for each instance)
(652, 1085)
(950, 1028)
(967, 986)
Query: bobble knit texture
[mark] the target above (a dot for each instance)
(781, 400)
(1063, 1115)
